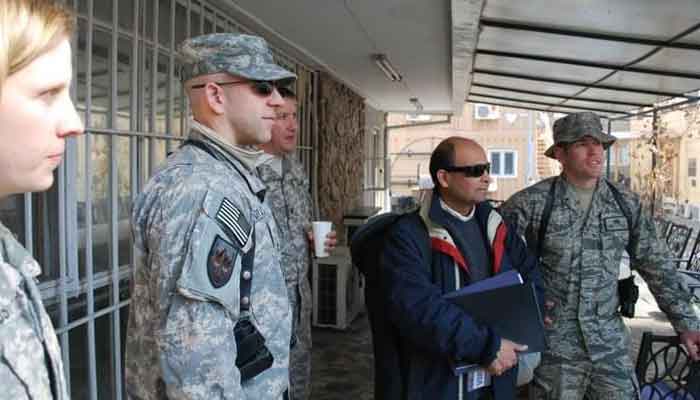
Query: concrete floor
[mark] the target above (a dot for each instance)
(343, 365)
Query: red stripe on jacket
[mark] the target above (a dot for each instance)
(451, 250)
(499, 247)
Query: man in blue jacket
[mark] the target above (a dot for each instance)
(454, 240)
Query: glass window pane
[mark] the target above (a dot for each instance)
(195, 27)
(692, 167)
(148, 17)
(101, 208)
(180, 23)
(126, 14)
(495, 163)
(103, 10)
(164, 22)
(146, 81)
(124, 188)
(509, 163)
(162, 94)
(101, 80)
(124, 71)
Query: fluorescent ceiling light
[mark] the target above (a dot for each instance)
(386, 67)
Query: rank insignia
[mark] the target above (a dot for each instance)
(221, 261)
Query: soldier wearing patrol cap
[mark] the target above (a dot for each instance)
(584, 240)
(209, 317)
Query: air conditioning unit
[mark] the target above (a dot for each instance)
(486, 111)
(338, 290)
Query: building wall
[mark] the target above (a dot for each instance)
(340, 151)
(410, 147)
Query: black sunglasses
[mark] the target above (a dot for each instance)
(262, 88)
(471, 171)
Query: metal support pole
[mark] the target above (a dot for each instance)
(655, 144)
(608, 169)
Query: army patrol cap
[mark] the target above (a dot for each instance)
(241, 55)
(574, 127)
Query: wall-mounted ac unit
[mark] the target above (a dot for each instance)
(338, 290)
(486, 111)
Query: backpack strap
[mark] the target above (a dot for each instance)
(546, 213)
(625, 210)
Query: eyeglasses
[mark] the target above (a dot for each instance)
(262, 88)
(471, 171)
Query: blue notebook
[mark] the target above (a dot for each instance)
(508, 306)
(508, 278)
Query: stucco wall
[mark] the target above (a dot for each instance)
(341, 145)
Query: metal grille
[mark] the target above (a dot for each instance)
(126, 88)
(327, 294)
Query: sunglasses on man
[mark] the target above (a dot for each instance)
(471, 171)
(262, 88)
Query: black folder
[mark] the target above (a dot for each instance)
(512, 312)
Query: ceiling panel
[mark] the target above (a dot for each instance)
(513, 95)
(674, 60)
(638, 18)
(592, 104)
(573, 48)
(540, 68)
(526, 105)
(616, 95)
(653, 82)
(526, 84)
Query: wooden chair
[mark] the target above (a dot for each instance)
(664, 370)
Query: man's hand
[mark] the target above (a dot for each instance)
(506, 358)
(331, 241)
(548, 320)
(691, 341)
(329, 244)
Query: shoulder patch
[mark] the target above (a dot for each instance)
(233, 222)
(220, 262)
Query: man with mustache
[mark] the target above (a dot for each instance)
(584, 240)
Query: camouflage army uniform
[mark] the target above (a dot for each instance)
(181, 341)
(290, 202)
(588, 344)
(30, 358)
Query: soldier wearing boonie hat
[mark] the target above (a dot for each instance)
(210, 316)
(592, 222)
(575, 127)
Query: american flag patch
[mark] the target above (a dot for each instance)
(233, 222)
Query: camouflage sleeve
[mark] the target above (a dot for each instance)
(23, 369)
(516, 212)
(651, 258)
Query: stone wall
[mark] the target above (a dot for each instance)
(340, 151)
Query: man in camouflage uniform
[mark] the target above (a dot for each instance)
(584, 242)
(290, 201)
(208, 297)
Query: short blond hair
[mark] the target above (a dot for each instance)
(29, 28)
